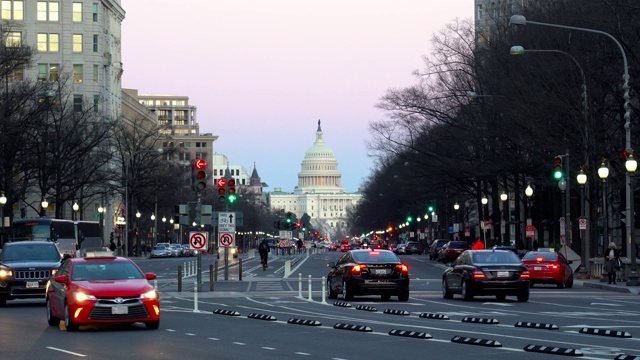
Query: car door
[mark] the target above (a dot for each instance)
(56, 291)
(339, 272)
(457, 273)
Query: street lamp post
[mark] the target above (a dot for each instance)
(603, 173)
(155, 232)
(484, 202)
(3, 202)
(45, 205)
(503, 222)
(582, 180)
(101, 211)
(529, 193)
(172, 228)
(75, 207)
(164, 228)
(456, 207)
(137, 250)
(631, 165)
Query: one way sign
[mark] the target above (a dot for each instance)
(227, 222)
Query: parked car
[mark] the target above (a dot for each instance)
(499, 273)
(160, 251)
(401, 249)
(451, 250)
(393, 248)
(413, 247)
(188, 251)
(101, 289)
(548, 267)
(434, 249)
(368, 272)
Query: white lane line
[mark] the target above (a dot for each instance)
(190, 334)
(239, 343)
(301, 353)
(215, 339)
(67, 352)
(170, 330)
(268, 348)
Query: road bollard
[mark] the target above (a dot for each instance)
(287, 268)
(195, 297)
(324, 291)
(179, 278)
(215, 271)
(300, 285)
(239, 269)
(310, 288)
(210, 277)
(155, 284)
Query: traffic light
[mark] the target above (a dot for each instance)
(199, 175)
(231, 191)
(409, 219)
(222, 192)
(431, 208)
(557, 169)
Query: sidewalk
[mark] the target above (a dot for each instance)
(617, 287)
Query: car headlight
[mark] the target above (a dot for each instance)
(54, 271)
(80, 296)
(153, 294)
(5, 273)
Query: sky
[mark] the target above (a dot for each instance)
(263, 72)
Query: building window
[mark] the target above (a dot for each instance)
(96, 102)
(96, 73)
(77, 73)
(48, 42)
(77, 43)
(95, 43)
(12, 9)
(14, 39)
(54, 72)
(95, 12)
(48, 11)
(48, 71)
(77, 12)
(77, 103)
(15, 74)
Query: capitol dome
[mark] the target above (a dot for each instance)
(319, 173)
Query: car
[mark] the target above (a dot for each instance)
(506, 247)
(451, 250)
(548, 267)
(25, 267)
(160, 251)
(345, 247)
(434, 249)
(498, 273)
(401, 249)
(368, 272)
(413, 247)
(393, 248)
(333, 247)
(232, 251)
(188, 251)
(176, 250)
(101, 289)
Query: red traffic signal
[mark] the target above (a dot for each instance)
(221, 182)
(231, 184)
(199, 164)
(199, 175)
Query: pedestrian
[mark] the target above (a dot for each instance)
(264, 250)
(299, 245)
(112, 246)
(478, 245)
(612, 256)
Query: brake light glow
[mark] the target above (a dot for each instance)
(554, 267)
(478, 274)
(539, 259)
(404, 269)
(373, 252)
(524, 275)
(357, 269)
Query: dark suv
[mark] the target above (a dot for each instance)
(25, 268)
(413, 247)
(451, 250)
(434, 249)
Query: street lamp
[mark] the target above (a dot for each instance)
(632, 165)
(521, 20)
(101, 211)
(484, 202)
(164, 229)
(172, 229)
(137, 232)
(603, 173)
(529, 193)
(582, 180)
(503, 223)
(75, 209)
(3, 201)
(45, 205)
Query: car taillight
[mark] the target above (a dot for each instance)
(357, 269)
(478, 274)
(553, 267)
(524, 275)
(404, 269)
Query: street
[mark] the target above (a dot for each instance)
(266, 317)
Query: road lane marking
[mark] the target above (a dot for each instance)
(66, 351)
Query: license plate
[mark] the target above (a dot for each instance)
(120, 310)
(503, 274)
(32, 284)
(537, 268)
(380, 272)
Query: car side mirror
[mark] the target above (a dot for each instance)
(331, 264)
(60, 279)
(570, 262)
(150, 276)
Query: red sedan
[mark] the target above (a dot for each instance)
(101, 289)
(548, 267)
(345, 247)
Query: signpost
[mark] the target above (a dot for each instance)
(198, 241)
(226, 231)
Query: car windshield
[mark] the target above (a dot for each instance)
(495, 257)
(32, 252)
(105, 270)
(548, 256)
(458, 245)
(375, 257)
(160, 247)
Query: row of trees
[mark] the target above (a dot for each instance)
(439, 144)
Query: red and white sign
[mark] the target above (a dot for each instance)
(583, 224)
(198, 240)
(530, 231)
(226, 239)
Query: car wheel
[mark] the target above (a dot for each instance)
(347, 293)
(523, 296)
(446, 293)
(67, 319)
(330, 293)
(404, 296)
(3, 301)
(569, 283)
(466, 294)
(561, 283)
(385, 297)
(501, 297)
(52, 320)
(152, 325)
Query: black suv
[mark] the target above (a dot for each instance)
(413, 247)
(25, 268)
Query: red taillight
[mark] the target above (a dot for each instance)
(478, 274)
(539, 259)
(404, 269)
(524, 275)
(357, 269)
(553, 267)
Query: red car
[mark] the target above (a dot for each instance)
(345, 247)
(548, 267)
(333, 247)
(101, 289)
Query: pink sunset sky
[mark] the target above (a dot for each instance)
(262, 72)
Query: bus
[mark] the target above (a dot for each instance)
(60, 231)
(88, 234)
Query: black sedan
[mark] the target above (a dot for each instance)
(486, 272)
(368, 272)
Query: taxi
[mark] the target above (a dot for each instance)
(101, 288)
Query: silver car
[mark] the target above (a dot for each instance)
(160, 251)
(176, 250)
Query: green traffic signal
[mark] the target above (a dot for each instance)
(430, 208)
(232, 198)
(409, 219)
(557, 175)
(557, 168)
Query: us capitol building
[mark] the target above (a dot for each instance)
(319, 192)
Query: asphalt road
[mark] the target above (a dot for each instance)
(266, 316)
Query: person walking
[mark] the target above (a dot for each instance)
(264, 250)
(112, 246)
(478, 245)
(612, 256)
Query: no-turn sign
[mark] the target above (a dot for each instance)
(198, 240)
(226, 239)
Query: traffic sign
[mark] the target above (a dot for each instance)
(530, 231)
(198, 240)
(583, 224)
(226, 239)
(227, 222)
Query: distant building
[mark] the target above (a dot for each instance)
(488, 13)
(319, 192)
